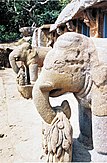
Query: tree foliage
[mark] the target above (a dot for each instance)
(19, 13)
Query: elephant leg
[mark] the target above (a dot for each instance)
(99, 117)
(85, 125)
(33, 69)
(28, 75)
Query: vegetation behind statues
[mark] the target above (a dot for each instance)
(15, 14)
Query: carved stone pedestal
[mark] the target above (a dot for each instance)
(25, 90)
(97, 157)
(100, 134)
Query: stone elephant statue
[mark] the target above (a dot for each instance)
(31, 57)
(76, 64)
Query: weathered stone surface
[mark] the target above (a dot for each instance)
(25, 90)
(27, 31)
(99, 100)
(57, 139)
(69, 62)
(100, 133)
(28, 55)
(31, 59)
(33, 69)
(73, 65)
(21, 77)
(41, 36)
(99, 76)
(7, 48)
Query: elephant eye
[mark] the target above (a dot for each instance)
(17, 58)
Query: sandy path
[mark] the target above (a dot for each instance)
(19, 123)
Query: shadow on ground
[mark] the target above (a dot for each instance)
(80, 153)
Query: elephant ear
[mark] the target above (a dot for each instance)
(66, 108)
(46, 87)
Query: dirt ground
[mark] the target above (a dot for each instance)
(21, 125)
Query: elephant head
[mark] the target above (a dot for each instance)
(19, 53)
(31, 57)
(65, 69)
(75, 64)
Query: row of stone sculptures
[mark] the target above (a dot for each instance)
(76, 64)
(26, 58)
(27, 70)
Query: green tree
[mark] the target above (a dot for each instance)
(19, 13)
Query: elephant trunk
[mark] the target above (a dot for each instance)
(13, 61)
(41, 100)
(18, 52)
(41, 93)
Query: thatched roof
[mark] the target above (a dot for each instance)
(73, 9)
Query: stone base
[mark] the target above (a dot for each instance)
(100, 134)
(25, 90)
(97, 157)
